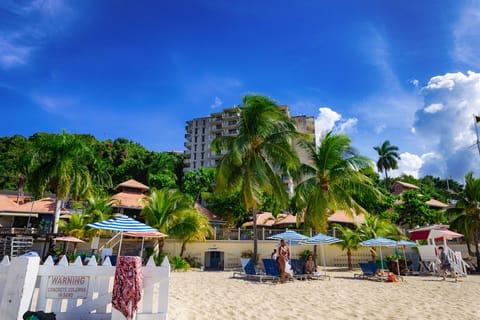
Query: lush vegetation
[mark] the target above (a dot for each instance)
(249, 179)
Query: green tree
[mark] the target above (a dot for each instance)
(255, 157)
(174, 214)
(198, 181)
(188, 226)
(387, 158)
(350, 241)
(228, 206)
(467, 210)
(60, 164)
(375, 227)
(413, 210)
(75, 225)
(330, 181)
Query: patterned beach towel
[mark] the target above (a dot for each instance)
(127, 287)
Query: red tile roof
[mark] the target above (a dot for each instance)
(128, 200)
(343, 217)
(209, 214)
(7, 205)
(45, 205)
(133, 184)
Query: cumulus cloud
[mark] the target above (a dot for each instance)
(444, 127)
(408, 164)
(330, 120)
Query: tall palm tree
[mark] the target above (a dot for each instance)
(350, 241)
(330, 180)
(60, 164)
(467, 211)
(387, 158)
(255, 157)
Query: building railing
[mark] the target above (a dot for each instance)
(221, 233)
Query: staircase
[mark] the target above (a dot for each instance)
(113, 242)
(457, 262)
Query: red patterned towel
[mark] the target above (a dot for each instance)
(127, 287)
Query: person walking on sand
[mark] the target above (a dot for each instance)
(445, 265)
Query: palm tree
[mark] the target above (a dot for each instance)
(173, 213)
(60, 164)
(75, 225)
(330, 181)
(255, 157)
(375, 227)
(387, 160)
(191, 225)
(467, 211)
(350, 241)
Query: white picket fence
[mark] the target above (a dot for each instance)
(76, 291)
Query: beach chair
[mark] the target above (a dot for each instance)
(369, 269)
(271, 269)
(249, 272)
(370, 272)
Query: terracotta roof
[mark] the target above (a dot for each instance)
(437, 204)
(128, 200)
(134, 184)
(343, 217)
(265, 219)
(7, 205)
(209, 214)
(286, 218)
(45, 205)
(407, 185)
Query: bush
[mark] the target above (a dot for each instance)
(178, 263)
(304, 255)
(193, 262)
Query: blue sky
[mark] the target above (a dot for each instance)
(406, 71)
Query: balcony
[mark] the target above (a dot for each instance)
(188, 145)
(231, 132)
(217, 128)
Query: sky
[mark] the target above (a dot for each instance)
(403, 71)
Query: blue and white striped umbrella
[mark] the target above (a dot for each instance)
(289, 235)
(379, 242)
(321, 239)
(122, 224)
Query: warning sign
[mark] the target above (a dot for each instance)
(67, 287)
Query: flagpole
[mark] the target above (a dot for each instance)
(475, 119)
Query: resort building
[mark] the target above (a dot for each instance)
(200, 132)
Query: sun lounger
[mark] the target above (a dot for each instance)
(370, 272)
(250, 273)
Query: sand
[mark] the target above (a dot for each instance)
(216, 295)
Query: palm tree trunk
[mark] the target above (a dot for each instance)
(349, 259)
(475, 238)
(386, 180)
(184, 244)
(58, 207)
(255, 242)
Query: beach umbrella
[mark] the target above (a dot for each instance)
(143, 235)
(122, 224)
(67, 240)
(379, 242)
(290, 236)
(404, 244)
(322, 239)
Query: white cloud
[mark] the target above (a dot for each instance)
(465, 34)
(434, 107)
(329, 120)
(217, 103)
(54, 104)
(408, 164)
(34, 21)
(447, 133)
(12, 54)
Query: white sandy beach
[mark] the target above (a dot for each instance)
(216, 295)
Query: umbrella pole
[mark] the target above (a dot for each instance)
(405, 257)
(120, 246)
(324, 260)
(381, 257)
(141, 250)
